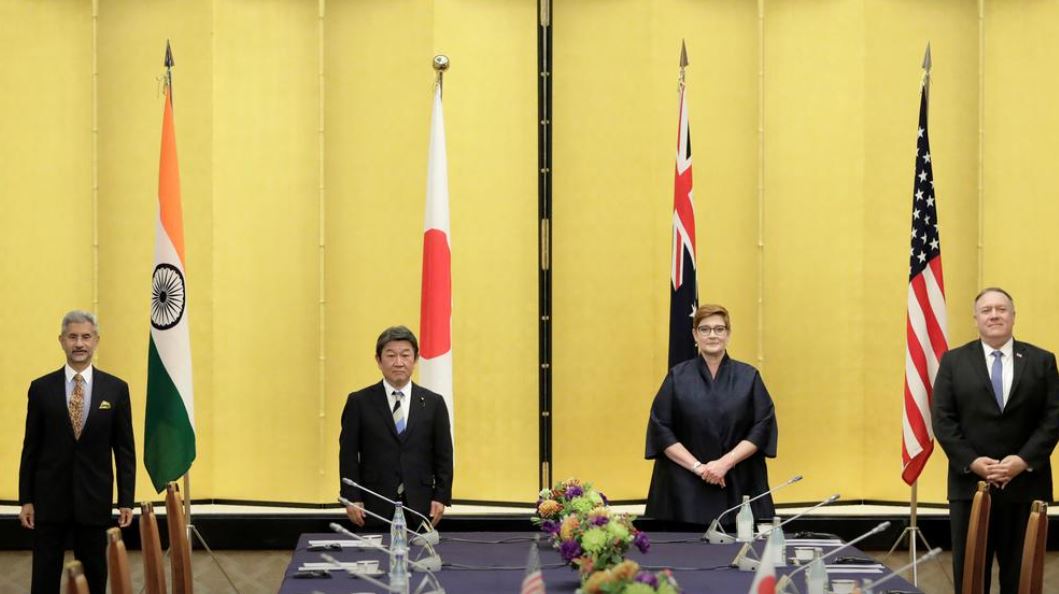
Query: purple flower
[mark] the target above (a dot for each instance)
(646, 577)
(600, 520)
(550, 527)
(641, 541)
(570, 550)
(574, 491)
(604, 498)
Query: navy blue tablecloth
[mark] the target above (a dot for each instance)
(494, 562)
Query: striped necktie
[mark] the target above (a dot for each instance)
(77, 405)
(398, 412)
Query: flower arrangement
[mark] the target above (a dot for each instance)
(598, 539)
(587, 533)
(567, 497)
(627, 578)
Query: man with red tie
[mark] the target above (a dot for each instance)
(77, 418)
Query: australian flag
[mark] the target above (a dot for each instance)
(683, 284)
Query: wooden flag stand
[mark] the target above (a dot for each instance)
(915, 535)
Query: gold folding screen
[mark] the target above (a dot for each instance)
(302, 134)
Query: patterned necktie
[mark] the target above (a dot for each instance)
(77, 405)
(398, 412)
(997, 377)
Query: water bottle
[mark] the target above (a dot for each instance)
(398, 551)
(816, 575)
(744, 522)
(779, 544)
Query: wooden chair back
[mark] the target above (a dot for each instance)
(977, 532)
(75, 578)
(1031, 576)
(179, 547)
(151, 543)
(118, 563)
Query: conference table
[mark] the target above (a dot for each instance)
(494, 562)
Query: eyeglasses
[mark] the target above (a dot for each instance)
(717, 330)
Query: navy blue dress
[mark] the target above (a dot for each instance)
(710, 416)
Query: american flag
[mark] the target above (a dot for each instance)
(533, 582)
(684, 286)
(925, 325)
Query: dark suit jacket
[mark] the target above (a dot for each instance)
(372, 454)
(968, 422)
(69, 479)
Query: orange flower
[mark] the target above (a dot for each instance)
(570, 524)
(626, 570)
(549, 508)
(594, 584)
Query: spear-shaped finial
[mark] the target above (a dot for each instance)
(167, 78)
(926, 74)
(683, 62)
(168, 55)
(441, 64)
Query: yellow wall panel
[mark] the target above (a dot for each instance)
(615, 133)
(1019, 211)
(131, 51)
(279, 339)
(266, 263)
(813, 321)
(375, 201)
(46, 231)
(895, 43)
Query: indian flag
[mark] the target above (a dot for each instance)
(169, 432)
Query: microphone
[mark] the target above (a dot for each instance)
(744, 564)
(930, 555)
(437, 589)
(430, 534)
(432, 560)
(377, 583)
(716, 535)
(784, 581)
(423, 540)
(827, 501)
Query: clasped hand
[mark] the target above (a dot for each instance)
(998, 473)
(713, 472)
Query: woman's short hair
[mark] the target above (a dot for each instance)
(711, 309)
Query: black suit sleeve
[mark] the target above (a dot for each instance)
(349, 449)
(1038, 447)
(946, 418)
(442, 454)
(31, 444)
(124, 445)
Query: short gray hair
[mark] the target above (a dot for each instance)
(78, 316)
(396, 333)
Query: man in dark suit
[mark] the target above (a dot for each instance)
(76, 418)
(996, 415)
(396, 438)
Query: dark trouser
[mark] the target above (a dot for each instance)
(90, 548)
(1007, 530)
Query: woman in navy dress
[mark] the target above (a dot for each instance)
(712, 425)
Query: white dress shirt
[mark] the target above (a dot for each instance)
(1007, 363)
(405, 400)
